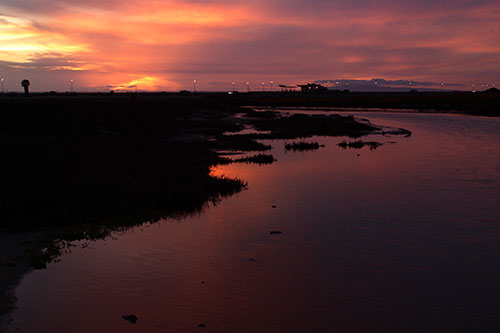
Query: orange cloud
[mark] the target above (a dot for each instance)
(19, 40)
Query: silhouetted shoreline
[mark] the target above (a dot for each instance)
(481, 103)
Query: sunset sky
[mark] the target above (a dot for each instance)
(165, 44)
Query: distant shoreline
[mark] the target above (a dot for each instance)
(346, 109)
(461, 102)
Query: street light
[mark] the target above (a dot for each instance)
(71, 82)
(376, 85)
(263, 86)
(194, 85)
(272, 85)
(2, 84)
(442, 84)
(248, 87)
(233, 85)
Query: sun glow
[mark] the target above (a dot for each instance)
(21, 41)
(145, 83)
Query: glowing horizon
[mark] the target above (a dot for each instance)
(164, 45)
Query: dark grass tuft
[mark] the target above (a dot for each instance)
(359, 144)
(302, 146)
(257, 159)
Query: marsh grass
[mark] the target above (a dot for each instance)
(302, 146)
(359, 144)
(257, 159)
(240, 142)
(303, 125)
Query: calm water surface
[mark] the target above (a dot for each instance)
(402, 238)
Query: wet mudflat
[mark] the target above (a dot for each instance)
(399, 238)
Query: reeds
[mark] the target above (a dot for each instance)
(359, 144)
(301, 146)
(257, 159)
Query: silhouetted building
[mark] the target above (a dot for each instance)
(285, 88)
(492, 91)
(312, 87)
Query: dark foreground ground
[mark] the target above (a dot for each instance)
(81, 166)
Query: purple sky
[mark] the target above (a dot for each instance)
(165, 45)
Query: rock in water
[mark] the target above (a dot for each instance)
(130, 318)
(202, 325)
(274, 232)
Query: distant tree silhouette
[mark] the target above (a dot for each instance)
(26, 85)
